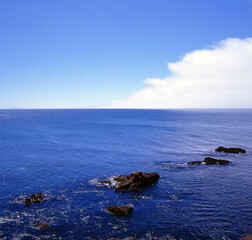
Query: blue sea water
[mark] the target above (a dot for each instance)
(64, 153)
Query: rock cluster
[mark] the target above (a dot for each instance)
(230, 150)
(135, 181)
(34, 198)
(125, 210)
(211, 161)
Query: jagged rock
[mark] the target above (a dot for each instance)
(230, 150)
(194, 163)
(34, 198)
(105, 182)
(136, 181)
(125, 210)
(211, 161)
(42, 225)
(249, 237)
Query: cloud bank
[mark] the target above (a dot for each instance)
(219, 77)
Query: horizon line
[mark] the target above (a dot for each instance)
(102, 108)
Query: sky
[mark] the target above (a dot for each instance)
(125, 54)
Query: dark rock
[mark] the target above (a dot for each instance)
(220, 161)
(249, 237)
(211, 161)
(194, 163)
(125, 210)
(121, 178)
(174, 197)
(136, 181)
(105, 182)
(42, 225)
(230, 150)
(34, 198)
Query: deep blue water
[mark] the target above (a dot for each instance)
(63, 153)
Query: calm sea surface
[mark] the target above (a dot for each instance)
(63, 153)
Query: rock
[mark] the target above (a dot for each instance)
(174, 197)
(211, 161)
(230, 150)
(220, 161)
(105, 182)
(194, 163)
(121, 178)
(249, 237)
(125, 210)
(42, 225)
(136, 181)
(34, 198)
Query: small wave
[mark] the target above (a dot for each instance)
(5, 220)
(18, 199)
(97, 182)
(32, 236)
(85, 219)
(150, 236)
(147, 197)
(4, 115)
(172, 165)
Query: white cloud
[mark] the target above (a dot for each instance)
(208, 78)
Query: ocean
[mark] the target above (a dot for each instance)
(64, 153)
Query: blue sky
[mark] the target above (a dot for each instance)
(77, 54)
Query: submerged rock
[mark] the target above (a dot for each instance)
(194, 163)
(125, 210)
(105, 182)
(249, 237)
(174, 197)
(211, 161)
(230, 150)
(34, 198)
(136, 181)
(42, 225)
